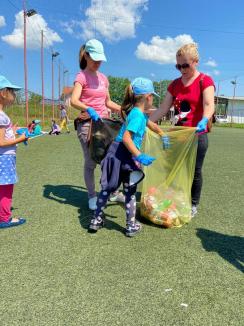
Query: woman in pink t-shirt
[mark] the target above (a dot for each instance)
(91, 96)
(192, 96)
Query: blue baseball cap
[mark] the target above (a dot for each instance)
(5, 83)
(95, 50)
(142, 86)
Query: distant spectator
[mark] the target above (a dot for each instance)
(37, 130)
(31, 126)
(55, 129)
(64, 119)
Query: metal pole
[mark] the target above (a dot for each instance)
(52, 88)
(217, 99)
(234, 94)
(25, 69)
(42, 72)
(59, 83)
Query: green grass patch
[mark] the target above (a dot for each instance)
(53, 272)
(230, 125)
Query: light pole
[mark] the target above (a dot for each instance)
(42, 73)
(54, 54)
(59, 83)
(64, 82)
(64, 72)
(233, 82)
(26, 13)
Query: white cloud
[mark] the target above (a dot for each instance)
(34, 25)
(2, 21)
(162, 51)
(69, 27)
(207, 73)
(216, 72)
(211, 63)
(112, 19)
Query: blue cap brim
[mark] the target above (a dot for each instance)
(97, 56)
(15, 87)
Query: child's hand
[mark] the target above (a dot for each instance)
(23, 138)
(145, 159)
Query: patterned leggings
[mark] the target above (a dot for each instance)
(130, 202)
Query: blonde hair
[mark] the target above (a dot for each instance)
(130, 100)
(82, 60)
(190, 49)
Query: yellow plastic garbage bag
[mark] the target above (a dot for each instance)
(166, 188)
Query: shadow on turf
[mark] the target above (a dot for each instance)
(77, 197)
(229, 247)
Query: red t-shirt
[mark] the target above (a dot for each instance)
(187, 100)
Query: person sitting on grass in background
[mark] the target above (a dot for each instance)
(31, 126)
(37, 130)
(122, 164)
(55, 129)
(63, 119)
(8, 176)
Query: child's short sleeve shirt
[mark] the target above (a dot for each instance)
(136, 122)
(9, 134)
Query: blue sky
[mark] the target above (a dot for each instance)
(140, 38)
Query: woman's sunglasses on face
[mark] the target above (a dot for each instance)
(183, 66)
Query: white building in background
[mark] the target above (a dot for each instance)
(233, 108)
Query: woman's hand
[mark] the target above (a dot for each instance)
(202, 125)
(93, 114)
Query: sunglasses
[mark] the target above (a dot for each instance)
(183, 66)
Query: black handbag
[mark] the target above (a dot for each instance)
(103, 132)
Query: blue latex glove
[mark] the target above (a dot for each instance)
(202, 125)
(93, 114)
(145, 159)
(166, 142)
(21, 132)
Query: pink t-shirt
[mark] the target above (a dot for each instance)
(94, 91)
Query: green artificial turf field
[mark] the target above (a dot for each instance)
(53, 272)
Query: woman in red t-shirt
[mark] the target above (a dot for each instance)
(192, 96)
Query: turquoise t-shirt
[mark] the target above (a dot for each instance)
(37, 130)
(136, 122)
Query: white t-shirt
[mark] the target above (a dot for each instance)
(9, 134)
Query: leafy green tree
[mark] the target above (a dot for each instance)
(160, 88)
(35, 98)
(117, 86)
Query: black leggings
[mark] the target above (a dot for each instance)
(197, 181)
